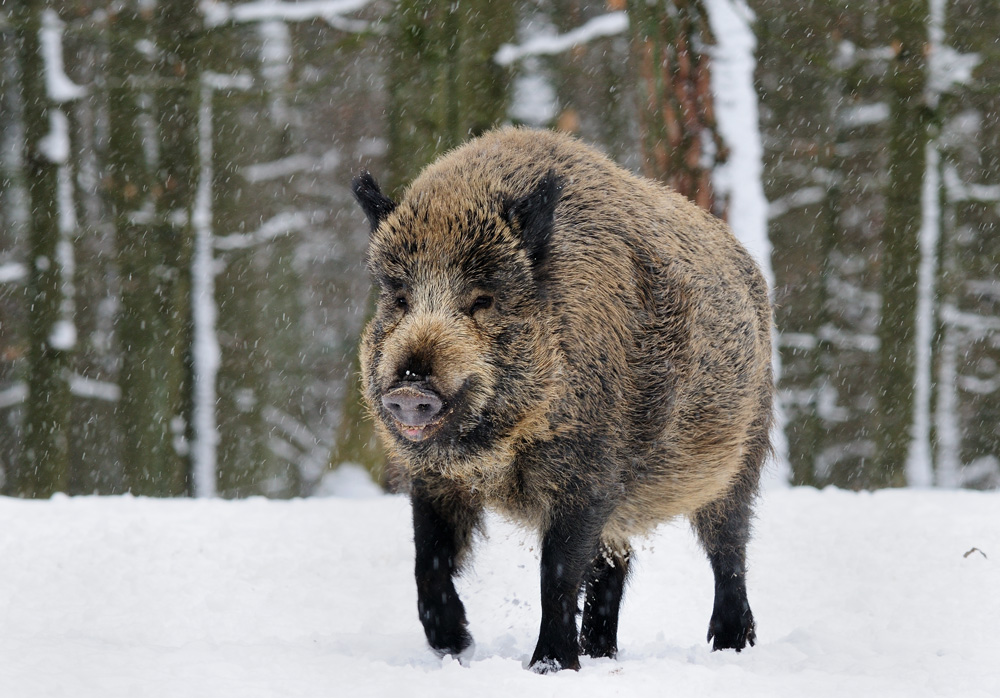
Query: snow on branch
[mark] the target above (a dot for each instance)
(281, 224)
(797, 199)
(946, 66)
(332, 11)
(608, 24)
(285, 167)
(79, 386)
(12, 272)
(958, 190)
(864, 115)
(13, 395)
(979, 386)
(225, 81)
(970, 322)
(58, 86)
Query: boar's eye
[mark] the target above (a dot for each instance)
(401, 303)
(482, 302)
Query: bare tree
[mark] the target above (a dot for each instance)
(44, 464)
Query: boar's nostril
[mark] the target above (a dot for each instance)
(413, 406)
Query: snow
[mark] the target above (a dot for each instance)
(55, 144)
(796, 199)
(217, 13)
(276, 67)
(280, 224)
(348, 480)
(946, 67)
(947, 427)
(91, 388)
(206, 350)
(548, 44)
(863, 115)
(14, 394)
(919, 468)
(62, 337)
(535, 101)
(855, 594)
(11, 272)
(58, 86)
(740, 178)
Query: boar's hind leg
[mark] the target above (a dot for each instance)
(568, 549)
(442, 532)
(605, 586)
(724, 530)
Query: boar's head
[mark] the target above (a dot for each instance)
(458, 352)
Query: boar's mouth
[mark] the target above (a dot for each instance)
(417, 411)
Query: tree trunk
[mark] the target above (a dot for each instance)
(444, 88)
(44, 464)
(180, 40)
(680, 144)
(910, 118)
(151, 363)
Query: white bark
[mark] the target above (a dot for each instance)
(206, 351)
(919, 462)
(741, 177)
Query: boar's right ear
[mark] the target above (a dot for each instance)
(374, 203)
(534, 212)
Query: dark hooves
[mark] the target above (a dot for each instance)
(732, 633)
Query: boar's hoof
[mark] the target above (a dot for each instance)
(732, 630)
(551, 666)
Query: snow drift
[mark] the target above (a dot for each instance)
(855, 594)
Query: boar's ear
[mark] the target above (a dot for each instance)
(375, 204)
(533, 214)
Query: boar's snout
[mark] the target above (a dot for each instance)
(413, 406)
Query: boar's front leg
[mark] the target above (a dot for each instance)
(605, 586)
(442, 532)
(568, 549)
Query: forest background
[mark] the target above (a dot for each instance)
(182, 282)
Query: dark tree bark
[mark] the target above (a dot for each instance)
(44, 464)
(150, 194)
(180, 41)
(910, 118)
(444, 88)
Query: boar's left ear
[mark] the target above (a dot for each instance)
(533, 213)
(375, 204)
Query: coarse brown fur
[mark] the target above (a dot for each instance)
(598, 344)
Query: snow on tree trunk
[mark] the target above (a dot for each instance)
(205, 350)
(739, 180)
(947, 428)
(919, 467)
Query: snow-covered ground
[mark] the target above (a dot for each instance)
(855, 595)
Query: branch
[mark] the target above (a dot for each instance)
(608, 24)
(332, 11)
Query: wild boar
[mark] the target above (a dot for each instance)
(581, 349)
